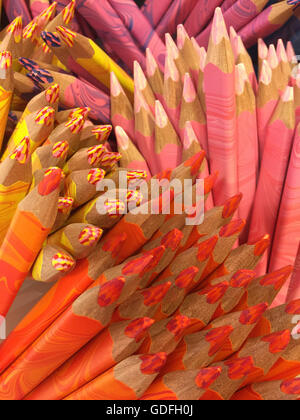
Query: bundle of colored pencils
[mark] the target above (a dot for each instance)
(150, 301)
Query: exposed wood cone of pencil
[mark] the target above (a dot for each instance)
(153, 183)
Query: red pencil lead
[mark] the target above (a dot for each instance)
(111, 291)
(138, 328)
(51, 181)
(231, 206)
(206, 248)
(154, 295)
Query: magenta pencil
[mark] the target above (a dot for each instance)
(297, 96)
(176, 14)
(219, 89)
(267, 22)
(140, 28)
(200, 16)
(274, 165)
(226, 5)
(238, 16)
(247, 144)
(286, 239)
(38, 6)
(110, 28)
(154, 10)
(17, 8)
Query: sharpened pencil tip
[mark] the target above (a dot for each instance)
(155, 294)
(281, 51)
(207, 376)
(111, 291)
(189, 91)
(50, 182)
(153, 363)
(231, 206)
(137, 328)
(219, 30)
(63, 262)
(182, 36)
(172, 50)
(90, 235)
(288, 94)
(266, 73)
(262, 49)
(272, 57)
(151, 63)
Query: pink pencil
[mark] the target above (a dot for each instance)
(267, 100)
(154, 10)
(110, 28)
(226, 5)
(200, 16)
(267, 22)
(242, 56)
(192, 111)
(287, 236)
(167, 144)
(140, 28)
(38, 6)
(131, 157)
(145, 130)
(201, 54)
(141, 83)
(247, 144)
(176, 14)
(238, 16)
(219, 88)
(121, 108)
(15, 8)
(297, 96)
(274, 165)
(294, 289)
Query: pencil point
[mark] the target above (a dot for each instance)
(262, 245)
(161, 117)
(235, 227)
(182, 36)
(89, 236)
(110, 292)
(272, 57)
(75, 124)
(241, 78)
(49, 12)
(138, 328)
(114, 245)
(50, 182)
(233, 34)
(217, 337)
(29, 32)
(189, 91)
(252, 315)
(51, 39)
(150, 63)
(60, 149)
(171, 71)
(136, 175)
(64, 204)
(172, 239)
(219, 30)
(231, 206)
(139, 76)
(189, 136)
(205, 248)
(277, 278)
(207, 376)
(137, 265)
(46, 116)
(122, 138)
(186, 277)
(177, 325)
(134, 197)
(153, 363)
(5, 60)
(195, 162)
(215, 293)
(95, 153)
(288, 94)
(114, 208)
(242, 278)
(209, 182)
(281, 52)
(262, 49)
(102, 132)
(67, 35)
(201, 52)
(95, 175)
(62, 262)
(69, 12)
(115, 86)
(155, 294)
(52, 94)
(172, 50)
(266, 73)
(22, 151)
(16, 28)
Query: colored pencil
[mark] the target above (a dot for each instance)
(238, 16)
(64, 209)
(79, 240)
(154, 75)
(154, 10)
(36, 213)
(12, 41)
(17, 8)
(90, 316)
(200, 15)
(127, 381)
(120, 340)
(283, 122)
(267, 22)
(52, 264)
(49, 156)
(286, 239)
(187, 50)
(6, 90)
(15, 179)
(109, 27)
(221, 110)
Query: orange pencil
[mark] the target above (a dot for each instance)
(127, 381)
(120, 340)
(36, 213)
(12, 40)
